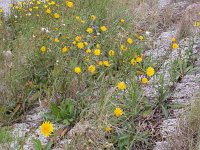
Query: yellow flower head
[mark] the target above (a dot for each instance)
(56, 16)
(89, 30)
(100, 63)
(173, 40)
(65, 49)
(133, 61)
(175, 46)
(97, 52)
(144, 80)
(123, 47)
(138, 59)
(130, 41)
(196, 23)
(93, 17)
(108, 129)
(48, 11)
(103, 28)
(118, 112)
(111, 53)
(46, 128)
(69, 4)
(141, 38)
(150, 71)
(1, 10)
(88, 51)
(121, 85)
(80, 45)
(56, 40)
(77, 70)
(98, 46)
(122, 21)
(43, 49)
(106, 63)
(92, 69)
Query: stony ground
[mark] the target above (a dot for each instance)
(184, 90)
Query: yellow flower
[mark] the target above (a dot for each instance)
(88, 51)
(106, 63)
(150, 71)
(56, 16)
(46, 128)
(93, 17)
(1, 10)
(77, 70)
(121, 85)
(108, 129)
(80, 45)
(82, 21)
(91, 68)
(173, 40)
(77, 17)
(103, 28)
(89, 30)
(77, 38)
(69, 4)
(122, 21)
(123, 47)
(111, 53)
(144, 80)
(118, 112)
(86, 43)
(43, 49)
(133, 61)
(196, 23)
(65, 49)
(100, 63)
(56, 40)
(141, 38)
(175, 46)
(48, 11)
(98, 46)
(130, 41)
(138, 59)
(97, 52)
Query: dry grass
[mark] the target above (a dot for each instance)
(188, 135)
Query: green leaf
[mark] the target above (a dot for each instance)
(48, 146)
(37, 145)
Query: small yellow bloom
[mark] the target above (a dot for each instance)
(175, 46)
(56, 40)
(86, 43)
(122, 21)
(56, 16)
(93, 17)
(80, 45)
(123, 47)
(111, 53)
(48, 11)
(46, 128)
(173, 40)
(65, 49)
(43, 49)
(133, 61)
(88, 51)
(150, 71)
(130, 41)
(121, 85)
(144, 80)
(106, 63)
(82, 21)
(92, 69)
(77, 38)
(89, 30)
(97, 52)
(77, 17)
(77, 70)
(141, 38)
(98, 46)
(196, 23)
(103, 28)
(118, 112)
(138, 59)
(100, 63)
(69, 4)
(108, 129)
